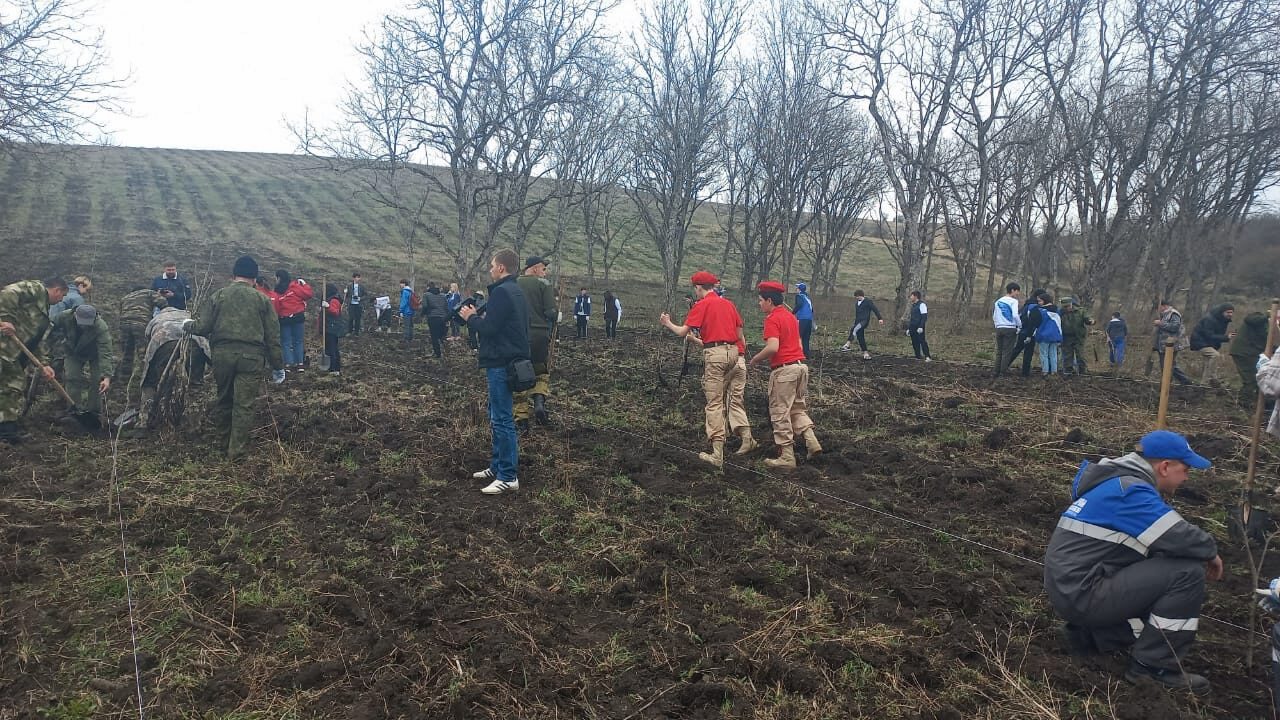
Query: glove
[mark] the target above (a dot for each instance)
(301, 281)
(919, 331)
(1027, 341)
(277, 376)
(187, 325)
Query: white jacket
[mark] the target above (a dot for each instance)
(1269, 385)
(1005, 313)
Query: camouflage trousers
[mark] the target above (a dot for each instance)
(13, 387)
(239, 378)
(82, 383)
(539, 352)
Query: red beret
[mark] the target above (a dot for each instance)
(702, 277)
(771, 286)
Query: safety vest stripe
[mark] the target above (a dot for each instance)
(1098, 532)
(1159, 527)
(1174, 624)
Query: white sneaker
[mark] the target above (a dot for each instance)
(928, 359)
(844, 347)
(485, 474)
(500, 486)
(866, 356)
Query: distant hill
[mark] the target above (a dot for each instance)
(117, 213)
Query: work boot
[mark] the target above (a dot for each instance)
(540, 408)
(522, 427)
(716, 456)
(786, 459)
(748, 443)
(1170, 679)
(811, 442)
(9, 433)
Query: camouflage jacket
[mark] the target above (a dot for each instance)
(88, 342)
(238, 316)
(1073, 325)
(542, 302)
(136, 307)
(167, 327)
(26, 305)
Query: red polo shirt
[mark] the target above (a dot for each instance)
(716, 318)
(782, 324)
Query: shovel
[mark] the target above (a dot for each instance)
(40, 368)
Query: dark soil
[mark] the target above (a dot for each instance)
(351, 568)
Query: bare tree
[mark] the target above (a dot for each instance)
(680, 102)
(52, 73)
(906, 69)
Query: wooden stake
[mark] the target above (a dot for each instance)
(1166, 378)
(1259, 406)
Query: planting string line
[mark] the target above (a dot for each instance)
(797, 485)
(124, 554)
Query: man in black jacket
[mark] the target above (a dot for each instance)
(1030, 312)
(1208, 337)
(504, 337)
(436, 308)
(863, 308)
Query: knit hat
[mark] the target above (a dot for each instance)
(771, 286)
(86, 315)
(245, 267)
(702, 277)
(534, 260)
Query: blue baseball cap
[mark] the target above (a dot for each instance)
(1166, 445)
(801, 286)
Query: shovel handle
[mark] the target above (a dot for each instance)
(40, 366)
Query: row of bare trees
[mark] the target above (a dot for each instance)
(1112, 146)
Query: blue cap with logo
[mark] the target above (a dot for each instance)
(1166, 445)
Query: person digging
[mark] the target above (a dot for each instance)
(1124, 570)
(89, 365)
(24, 320)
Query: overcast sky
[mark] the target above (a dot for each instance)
(225, 75)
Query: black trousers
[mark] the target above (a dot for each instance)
(355, 312)
(610, 327)
(858, 332)
(920, 345)
(1006, 340)
(436, 326)
(582, 326)
(1027, 347)
(331, 349)
(806, 331)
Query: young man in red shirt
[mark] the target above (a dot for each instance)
(719, 330)
(788, 378)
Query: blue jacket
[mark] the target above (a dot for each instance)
(504, 329)
(405, 308)
(1049, 329)
(804, 308)
(179, 286)
(1116, 518)
(70, 301)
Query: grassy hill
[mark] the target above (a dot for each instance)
(118, 210)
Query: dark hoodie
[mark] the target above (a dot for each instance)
(1251, 341)
(1117, 518)
(1211, 331)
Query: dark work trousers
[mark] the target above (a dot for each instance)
(1027, 348)
(1156, 600)
(473, 338)
(436, 326)
(806, 329)
(858, 332)
(331, 349)
(1006, 340)
(1275, 665)
(919, 344)
(610, 327)
(355, 311)
(1073, 355)
(582, 325)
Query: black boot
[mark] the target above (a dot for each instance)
(540, 408)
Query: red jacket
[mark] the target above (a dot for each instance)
(294, 300)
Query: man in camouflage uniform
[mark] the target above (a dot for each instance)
(1075, 322)
(244, 337)
(542, 319)
(89, 361)
(163, 334)
(24, 308)
(136, 310)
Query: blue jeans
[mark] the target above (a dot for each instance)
(408, 327)
(1116, 356)
(502, 424)
(1048, 357)
(291, 341)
